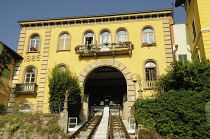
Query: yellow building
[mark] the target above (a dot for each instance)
(198, 22)
(103, 50)
(7, 74)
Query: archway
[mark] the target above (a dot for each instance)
(105, 86)
(88, 78)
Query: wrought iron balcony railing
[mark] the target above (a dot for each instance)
(105, 49)
(26, 89)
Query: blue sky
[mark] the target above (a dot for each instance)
(13, 10)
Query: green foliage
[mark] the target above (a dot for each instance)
(61, 80)
(27, 126)
(55, 128)
(189, 76)
(14, 128)
(175, 113)
(5, 58)
(2, 109)
(183, 109)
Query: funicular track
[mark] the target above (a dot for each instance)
(117, 128)
(87, 130)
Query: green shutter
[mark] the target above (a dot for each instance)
(183, 58)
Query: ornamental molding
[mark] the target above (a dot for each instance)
(97, 19)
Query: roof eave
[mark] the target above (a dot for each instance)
(92, 16)
(12, 51)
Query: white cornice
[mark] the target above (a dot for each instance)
(164, 13)
(205, 30)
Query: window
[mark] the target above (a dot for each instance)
(105, 40)
(62, 67)
(64, 42)
(148, 35)
(5, 76)
(183, 58)
(34, 43)
(25, 108)
(88, 38)
(121, 36)
(150, 70)
(193, 30)
(30, 75)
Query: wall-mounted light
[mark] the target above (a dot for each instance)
(134, 77)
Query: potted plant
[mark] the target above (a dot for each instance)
(77, 47)
(32, 48)
(113, 43)
(106, 43)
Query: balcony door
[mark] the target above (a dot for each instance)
(29, 79)
(105, 40)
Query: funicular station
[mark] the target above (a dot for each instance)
(117, 58)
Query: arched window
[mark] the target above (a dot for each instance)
(62, 67)
(150, 71)
(25, 108)
(89, 37)
(121, 36)
(34, 43)
(105, 39)
(64, 42)
(30, 75)
(148, 35)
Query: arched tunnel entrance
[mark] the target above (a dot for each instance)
(105, 86)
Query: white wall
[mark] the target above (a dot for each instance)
(181, 38)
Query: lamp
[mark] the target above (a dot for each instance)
(134, 77)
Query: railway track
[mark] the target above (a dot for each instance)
(88, 129)
(115, 130)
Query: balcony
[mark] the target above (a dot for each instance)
(106, 49)
(149, 84)
(26, 89)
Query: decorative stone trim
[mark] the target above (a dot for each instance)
(115, 64)
(96, 19)
(43, 72)
(12, 97)
(167, 41)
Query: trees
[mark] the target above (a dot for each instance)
(60, 80)
(5, 58)
(178, 114)
(180, 111)
(189, 76)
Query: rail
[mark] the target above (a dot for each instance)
(87, 130)
(117, 128)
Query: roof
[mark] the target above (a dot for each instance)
(13, 53)
(179, 3)
(94, 16)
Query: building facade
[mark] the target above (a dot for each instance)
(7, 73)
(198, 23)
(104, 51)
(181, 47)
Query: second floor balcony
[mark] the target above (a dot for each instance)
(26, 89)
(106, 49)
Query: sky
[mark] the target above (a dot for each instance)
(12, 11)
